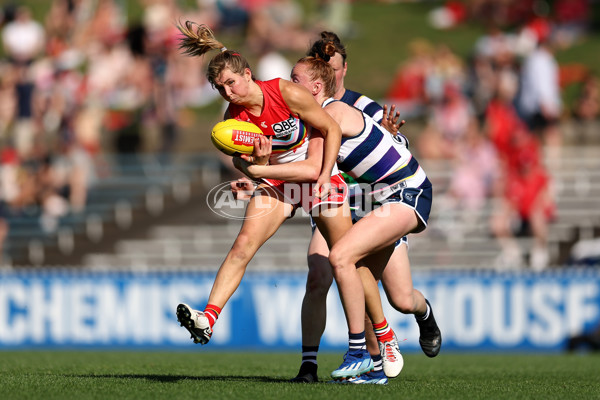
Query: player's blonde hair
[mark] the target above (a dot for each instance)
(198, 39)
(319, 69)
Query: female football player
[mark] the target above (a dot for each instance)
(396, 276)
(281, 108)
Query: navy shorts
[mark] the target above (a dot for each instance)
(419, 199)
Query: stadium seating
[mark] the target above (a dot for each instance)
(459, 239)
(129, 193)
(126, 223)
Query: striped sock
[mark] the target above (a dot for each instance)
(309, 354)
(377, 362)
(357, 342)
(309, 360)
(383, 331)
(212, 313)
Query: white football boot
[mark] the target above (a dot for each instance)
(392, 359)
(195, 322)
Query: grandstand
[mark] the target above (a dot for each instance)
(132, 192)
(151, 216)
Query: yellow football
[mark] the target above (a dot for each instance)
(234, 137)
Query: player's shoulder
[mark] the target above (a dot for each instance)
(341, 111)
(293, 93)
(333, 104)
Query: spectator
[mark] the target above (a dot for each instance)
(18, 189)
(525, 203)
(451, 14)
(8, 103)
(9, 191)
(23, 38)
(228, 14)
(280, 22)
(51, 192)
(272, 64)
(59, 24)
(448, 122)
(23, 42)
(407, 90)
(572, 21)
(73, 173)
(474, 175)
(495, 45)
(501, 118)
(539, 99)
(335, 16)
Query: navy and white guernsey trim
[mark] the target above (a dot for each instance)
(363, 103)
(373, 157)
(371, 108)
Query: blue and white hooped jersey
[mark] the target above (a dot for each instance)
(375, 158)
(371, 108)
(364, 104)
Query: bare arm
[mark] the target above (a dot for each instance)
(307, 170)
(350, 119)
(302, 103)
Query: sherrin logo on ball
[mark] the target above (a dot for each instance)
(234, 137)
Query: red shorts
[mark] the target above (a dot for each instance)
(301, 194)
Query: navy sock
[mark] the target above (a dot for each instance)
(357, 342)
(377, 362)
(309, 359)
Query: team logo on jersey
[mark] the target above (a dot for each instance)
(401, 139)
(284, 128)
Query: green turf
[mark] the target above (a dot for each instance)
(214, 375)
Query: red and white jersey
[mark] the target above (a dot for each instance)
(290, 134)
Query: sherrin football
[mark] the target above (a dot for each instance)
(234, 137)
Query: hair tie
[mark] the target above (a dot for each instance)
(236, 54)
(223, 49)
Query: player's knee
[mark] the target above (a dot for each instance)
(243, 248)
(316, 287)
(319, 275)
(405, 306)
(403, 303)
(338, 259)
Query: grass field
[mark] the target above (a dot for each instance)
(214, 375)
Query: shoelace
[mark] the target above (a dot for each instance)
(389, 353)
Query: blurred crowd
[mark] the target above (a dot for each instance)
(498, 116)
(87, 79)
